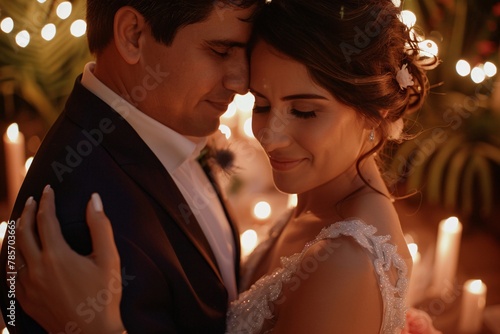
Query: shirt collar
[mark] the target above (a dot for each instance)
(169, 146)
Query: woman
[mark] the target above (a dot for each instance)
(333, 81)
(325, 104)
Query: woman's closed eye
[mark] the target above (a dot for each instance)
(303, 114)
(294, 112)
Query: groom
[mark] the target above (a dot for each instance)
(131, 131)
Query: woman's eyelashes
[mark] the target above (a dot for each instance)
(303, 114)
(295, 112)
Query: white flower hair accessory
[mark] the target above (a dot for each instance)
(395, 130)
(404, 77)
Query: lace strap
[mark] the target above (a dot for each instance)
(386, 257)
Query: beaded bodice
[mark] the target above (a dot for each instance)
(253, 308)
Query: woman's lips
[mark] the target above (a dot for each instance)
(284, 165)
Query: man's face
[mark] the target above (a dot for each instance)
(200, 72)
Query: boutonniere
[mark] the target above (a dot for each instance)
(217, 153)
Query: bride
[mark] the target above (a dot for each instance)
(333, 81)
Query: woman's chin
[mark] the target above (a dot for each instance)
(287, 187)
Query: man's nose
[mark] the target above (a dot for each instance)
(236, 77)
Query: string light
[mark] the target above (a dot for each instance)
(489, 69)
(477, 74)
(78, 28)
(428, 47)
(463, 68)
(7, 25)
(48, 31)
(23, 38)
(408, 18)
(262, 210)
(397, 3)
(64, 10)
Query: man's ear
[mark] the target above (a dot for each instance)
(129, 27)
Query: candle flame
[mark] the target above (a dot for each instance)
(452, 225)
(13, 132)
(476, 286)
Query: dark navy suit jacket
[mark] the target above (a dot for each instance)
(171, 282)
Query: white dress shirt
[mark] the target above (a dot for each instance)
(178, 155)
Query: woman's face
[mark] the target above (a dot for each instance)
(310, 137)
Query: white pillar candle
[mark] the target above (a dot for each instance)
(473, 302)
(14, 158)
(447, 250)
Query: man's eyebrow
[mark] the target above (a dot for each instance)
(226, 43)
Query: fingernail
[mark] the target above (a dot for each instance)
(46, 189)
(96, 202)
(29, 201)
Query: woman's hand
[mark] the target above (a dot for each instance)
(62, 290)
(418, 322)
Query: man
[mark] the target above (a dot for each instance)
(131, 131)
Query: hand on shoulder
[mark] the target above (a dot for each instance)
(58, 287)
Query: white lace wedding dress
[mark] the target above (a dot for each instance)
(248, 314)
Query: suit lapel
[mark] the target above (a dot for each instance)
(140, 163)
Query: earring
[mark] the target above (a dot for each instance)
(372, 135)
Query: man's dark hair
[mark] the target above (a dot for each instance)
(164, 16)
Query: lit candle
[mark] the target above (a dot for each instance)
(447, 249)
(3, 229)
(413, 288)
(15, 158)
(473, 302)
